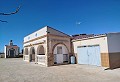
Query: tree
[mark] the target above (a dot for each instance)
(11, 13)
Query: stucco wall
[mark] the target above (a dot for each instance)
(102, 41)
(36, 34)
(114, 49)
(113, 42)
(36, 41)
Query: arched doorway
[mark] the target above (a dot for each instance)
(26, 51)
(40, 50)
(32, 54)
(41, 54)
(11, 53)
(60, 54)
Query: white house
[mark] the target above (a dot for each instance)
(47, 46)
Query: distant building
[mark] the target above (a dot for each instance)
(11, 51)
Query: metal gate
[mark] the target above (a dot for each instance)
(89, 55)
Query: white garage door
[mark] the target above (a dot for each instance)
(89, 55)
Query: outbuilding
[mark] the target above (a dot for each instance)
(100, 50)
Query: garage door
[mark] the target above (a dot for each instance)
(89, 55)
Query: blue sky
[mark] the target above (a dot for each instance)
(95, 16)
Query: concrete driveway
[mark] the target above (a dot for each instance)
(16, 70)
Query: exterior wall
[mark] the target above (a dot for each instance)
(101, 41)
(36, 39)
(105, 59)
(114, 60)
(114, 49)
(113, 41)
(36, 44)
(5, 51)
(36, 34)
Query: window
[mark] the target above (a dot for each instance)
(59, 50)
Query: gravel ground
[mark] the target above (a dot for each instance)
(17, 70)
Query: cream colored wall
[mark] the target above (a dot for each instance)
(102, 41)
(36, 41)
(113, 42)
(36, 47)
(40, 32)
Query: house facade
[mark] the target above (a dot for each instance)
(49, 47)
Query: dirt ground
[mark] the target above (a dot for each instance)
(17, 70)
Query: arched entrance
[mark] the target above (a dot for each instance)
(26, 56)
(11, 53)
(60, 54)
(40, 50)
(26, 51)
(32, 54)
(40, 55)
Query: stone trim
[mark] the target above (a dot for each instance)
(57, 44)
(34, 44)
